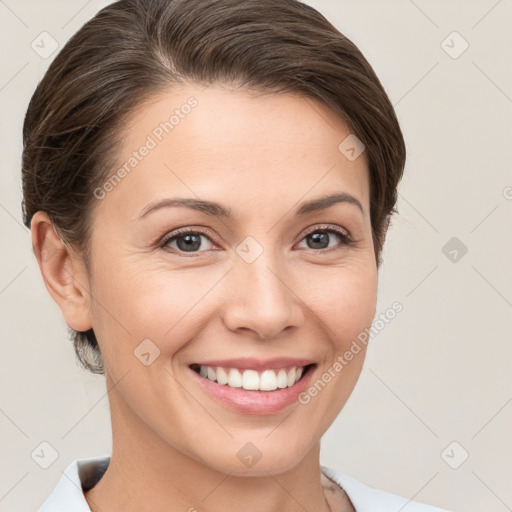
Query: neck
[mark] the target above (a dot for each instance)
(147, 473)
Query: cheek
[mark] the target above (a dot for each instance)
(136, 302)
(344, 299)
(152, 303)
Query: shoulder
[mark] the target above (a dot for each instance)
(368, 499)
(79, 476)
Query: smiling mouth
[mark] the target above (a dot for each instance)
(253, 380)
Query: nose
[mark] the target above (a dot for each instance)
(261, 299)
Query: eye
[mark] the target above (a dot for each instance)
(187, 240)
(320, 237)
(190, 240)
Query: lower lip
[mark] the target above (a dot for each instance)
(255, 402)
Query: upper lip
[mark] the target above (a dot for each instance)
(250, 363)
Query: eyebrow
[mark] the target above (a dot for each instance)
(217, 210)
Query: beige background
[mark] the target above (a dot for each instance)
(438, 373)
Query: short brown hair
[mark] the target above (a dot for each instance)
(132, 49)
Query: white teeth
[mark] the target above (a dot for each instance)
(250, 380)
(282, 379)
(235, 378)
(222, 376)
(211, 374)
(291, 377)
(268, 380)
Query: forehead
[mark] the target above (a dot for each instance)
(217, 142)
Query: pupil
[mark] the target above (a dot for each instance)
(320, 238)
(191, 243)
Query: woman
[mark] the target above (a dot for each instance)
(209, 185)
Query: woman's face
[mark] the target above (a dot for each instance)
(266, 287)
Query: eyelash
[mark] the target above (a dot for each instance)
(346, 240)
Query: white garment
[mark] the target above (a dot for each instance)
(80, 475)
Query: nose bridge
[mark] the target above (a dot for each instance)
(264, 301)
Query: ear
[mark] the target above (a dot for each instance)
(63, 272)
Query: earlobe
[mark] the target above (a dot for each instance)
(63, 272)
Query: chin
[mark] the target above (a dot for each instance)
(256, 458)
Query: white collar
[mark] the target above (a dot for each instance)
(82, 474)
(68, 495)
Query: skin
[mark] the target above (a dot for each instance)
(174, 447)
